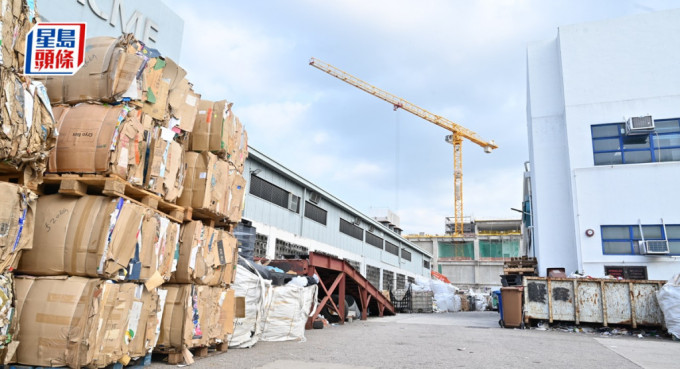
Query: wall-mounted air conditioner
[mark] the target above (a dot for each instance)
(357, 221)
(654, 247)
(639, 125)
(314, 197)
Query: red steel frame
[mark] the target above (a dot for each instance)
(345, 279)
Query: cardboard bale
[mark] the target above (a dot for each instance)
(235, 201)
(165, 164)
(212, 127)
(155, 256)
(207, 256)
(109, 73)
(17, 19)
(99, 139)
(185, 317)
(91, 236)
(17, 220)
(27, 126)
(183, 104)
(238, 145)
(221, 318)
(8, 325)
(206, 185)
(144, 321)
(72, 321)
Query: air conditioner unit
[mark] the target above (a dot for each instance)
(639, 125)
(371, 228)
(357, 221)
(654, 247)
(314, 197)
(293, 202)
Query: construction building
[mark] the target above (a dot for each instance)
(603, 114)
(292, 216)
(474, 260)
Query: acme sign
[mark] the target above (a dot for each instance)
(142, 26)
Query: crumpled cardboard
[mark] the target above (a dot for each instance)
(17, 220)
(235, 200)
(109, 73)
(183, 103)
(27, 125)
(206, 184)
(17, 18)
(207, 256)
(99, 236)
(72, 321)
(165, 165)
(7, 317)
(101, 139)
(213, 125)
(195, 316)
(238, 145)
(144, 321)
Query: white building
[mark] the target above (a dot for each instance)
(593, 185)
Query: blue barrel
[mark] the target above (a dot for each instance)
(500, 306)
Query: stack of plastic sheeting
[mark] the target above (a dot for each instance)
(257, 292)
(287, 312)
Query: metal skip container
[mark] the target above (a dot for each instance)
(585, 300)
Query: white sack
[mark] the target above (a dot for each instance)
(287, 312)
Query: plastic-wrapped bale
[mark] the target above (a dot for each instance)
(165, 164)
(94, 312)
(207, 256)
(27, 133)
(17, 221)
(257, 292)
(99, 236)
(17, 17)
(287, 312)
(668, 298)
(207, 184)
(101, 139)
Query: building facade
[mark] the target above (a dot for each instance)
(603, 109)
(476, 259)
(292, 216)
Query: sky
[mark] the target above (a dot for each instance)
(463, 60)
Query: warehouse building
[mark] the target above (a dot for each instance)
(474, 260)
(603, 114)
(292, 216)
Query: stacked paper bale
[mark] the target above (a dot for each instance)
(27, 124)
(127, 113)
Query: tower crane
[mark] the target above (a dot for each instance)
(458, 132)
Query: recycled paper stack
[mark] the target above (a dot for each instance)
(27, 124)
(109, 276)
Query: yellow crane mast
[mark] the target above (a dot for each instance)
(458, 132)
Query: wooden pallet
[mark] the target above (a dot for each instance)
(209, 217)
(178, 356)
(109, 185)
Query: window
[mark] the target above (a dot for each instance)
(388, 280)
(458, 250)
(274, 194)
(391, 248)
(373, 275)
(287, 250)
(355, 264)
(426, 264)
(611, 145)
(374, 240)
(623, 239)
(498, 248)
(315, 213)
(351, 230)
(401, 281)
(405, 255)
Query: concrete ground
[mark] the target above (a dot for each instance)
(450, 340)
